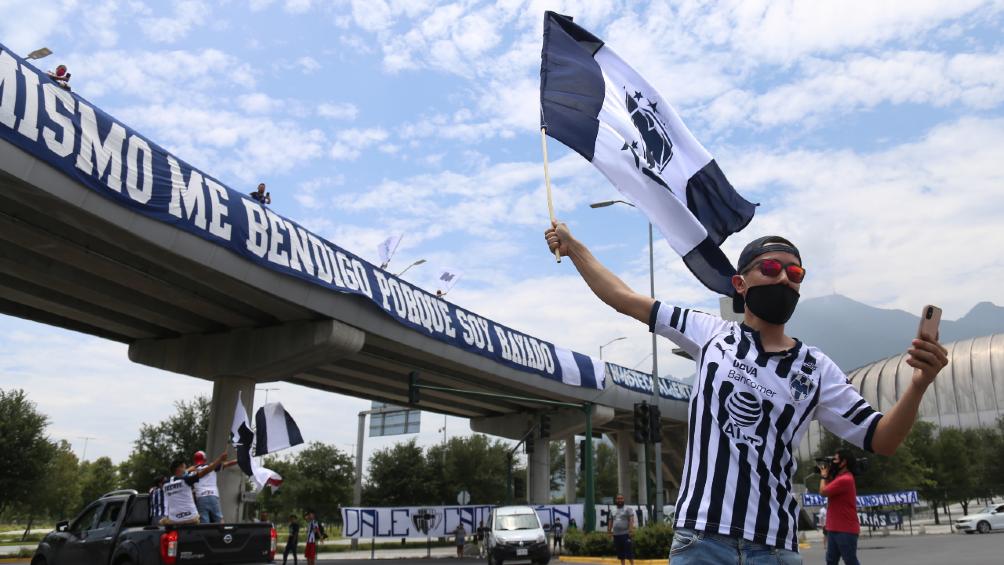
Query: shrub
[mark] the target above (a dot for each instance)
(653, 541)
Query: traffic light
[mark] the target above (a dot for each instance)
(654, 424)
(582, 456)
(641, 423)
(413, 390)
(545, 426)
(528, 445)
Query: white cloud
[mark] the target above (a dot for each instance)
(835, 88)
(160, 75)
(308, 64)
(188, 14)
(226, 144)
(884, 226)
(258, 103)
(297, 6)
(338, 110)
(350, 143)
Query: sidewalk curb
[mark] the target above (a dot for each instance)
(609, 560)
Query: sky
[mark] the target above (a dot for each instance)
(870, 133)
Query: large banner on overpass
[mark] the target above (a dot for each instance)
(642, 382)
(113, 160)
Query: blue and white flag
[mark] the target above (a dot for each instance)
(243, 438)
(447, 280)
(275, 429)
(596, 104)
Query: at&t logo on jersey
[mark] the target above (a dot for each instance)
(744, 412)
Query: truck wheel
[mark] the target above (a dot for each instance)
(39, 560)
(983, 527)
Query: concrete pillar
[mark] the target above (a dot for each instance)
(571, 470)
(538, 466)
(221, 417)
(624, 440)
(642, 475)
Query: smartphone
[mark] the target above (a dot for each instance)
(930, 318)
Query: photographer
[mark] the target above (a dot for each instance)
(842, 526)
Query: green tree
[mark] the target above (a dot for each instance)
(557, 449)
(178, 437)
(473, 463)
(398, 476)
(25, 451)
(97, 478)
(319, 477)
(58, 495)
(604, 471)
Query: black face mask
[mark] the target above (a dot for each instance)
(772, 303)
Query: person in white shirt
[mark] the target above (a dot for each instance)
(179, 498)
(755, 393)
(207, 495)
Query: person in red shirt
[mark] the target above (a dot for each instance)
(842, 526)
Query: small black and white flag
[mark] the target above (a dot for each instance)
(275, 429)
(387, 248)
(243, 438)
(596, 104)
(447, 280)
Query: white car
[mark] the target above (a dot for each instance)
(990, 518)
(515, 535)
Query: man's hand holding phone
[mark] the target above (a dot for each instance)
(926, 355)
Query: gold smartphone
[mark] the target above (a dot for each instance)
(930, 318)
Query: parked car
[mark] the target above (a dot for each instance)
(116, 529)
(990, 518)
(515, 535)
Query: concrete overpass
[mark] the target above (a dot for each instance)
(73, 257)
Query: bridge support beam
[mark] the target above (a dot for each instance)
(538, 469)
(235, 361)
(221, 417)
(571, 470)
(624, 440)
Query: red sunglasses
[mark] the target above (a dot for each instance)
(772, 268)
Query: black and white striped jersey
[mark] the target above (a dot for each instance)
(748, 411)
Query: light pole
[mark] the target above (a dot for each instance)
(266, 392)
(608, 343)
(83, 456)
(39, 53)
(657, 446)
(415, 264)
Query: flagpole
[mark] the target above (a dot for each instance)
(547, 182)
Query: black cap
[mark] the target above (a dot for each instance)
(754, 249)
(765, 244)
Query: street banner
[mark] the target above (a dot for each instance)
(441, 521)
(867, 500)
(116, 162)
(638, 381)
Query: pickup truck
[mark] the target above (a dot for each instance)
(117, 530)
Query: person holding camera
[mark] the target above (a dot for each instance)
(261, 196)
(842, 526)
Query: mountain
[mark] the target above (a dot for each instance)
(855, 334)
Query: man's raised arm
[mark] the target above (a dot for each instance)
(606, 285)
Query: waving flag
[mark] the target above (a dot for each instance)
(275, 429)
(596, 104)
(447, 280)
(243, 437)
(387, 249)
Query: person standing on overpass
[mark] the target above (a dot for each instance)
(756, 391)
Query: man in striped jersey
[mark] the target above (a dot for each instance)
(755, 393)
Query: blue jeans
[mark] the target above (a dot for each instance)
(702, 548)
(841, 545)
(209, 509)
